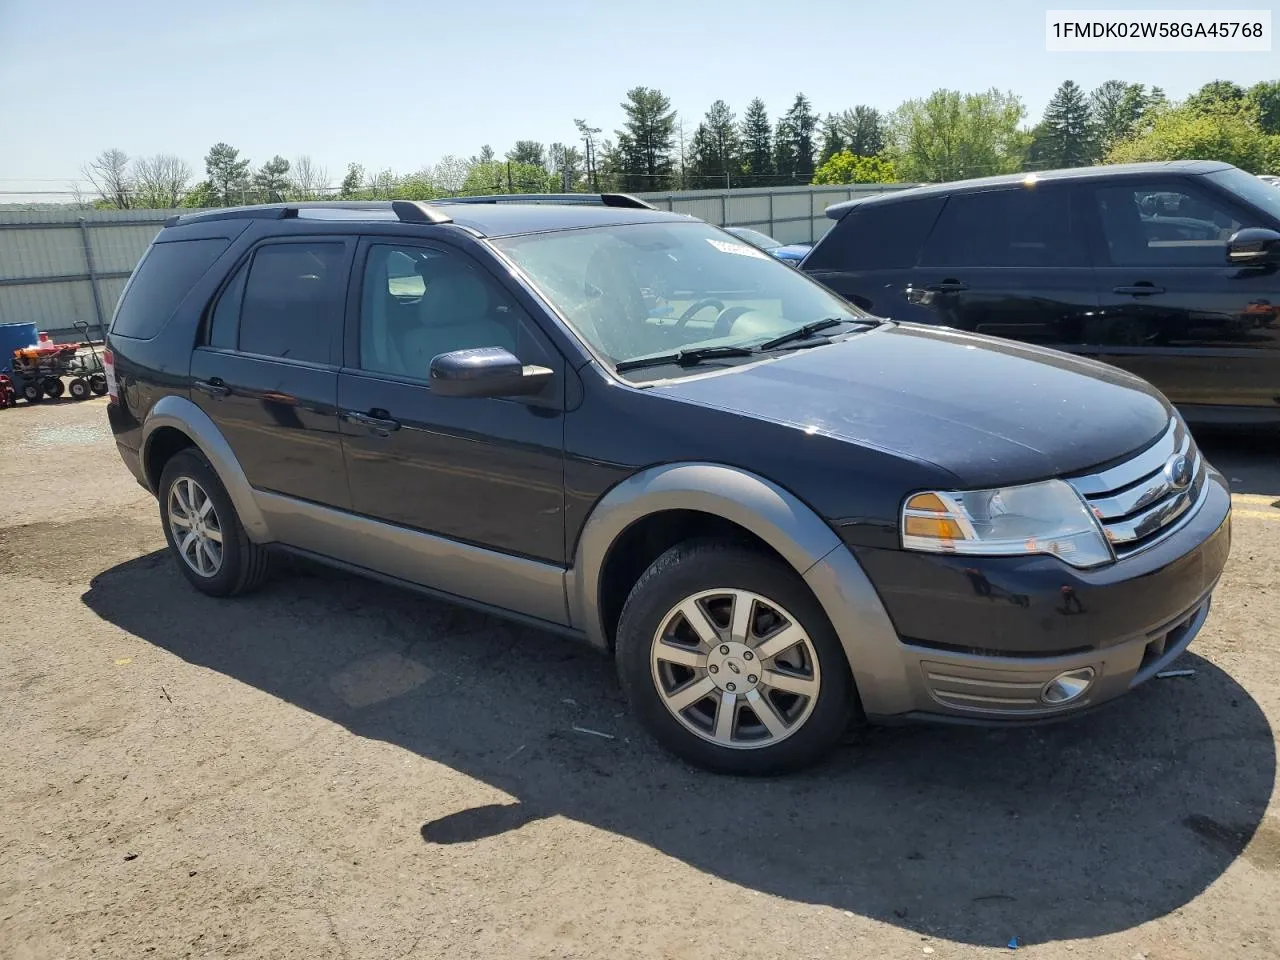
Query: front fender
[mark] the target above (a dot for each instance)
(778, 518)
(183, 415)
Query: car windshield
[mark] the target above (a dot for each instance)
(1260, 194)
(636, 290)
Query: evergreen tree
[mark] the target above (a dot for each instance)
(1115, 108)
(757, 143)
(227, 172)
(646, 142)
(1065, 137)
(802, 124)
(833, 141)
(864, 131)
(272, 180)
(352, 181)
(784, 153)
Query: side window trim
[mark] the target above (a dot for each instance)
(350, 355)
(245, 264)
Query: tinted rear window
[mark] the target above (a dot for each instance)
(879, 236)
(1019, 227)
(160, 282)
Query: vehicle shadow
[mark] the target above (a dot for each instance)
(1249, 458)
(1066, 831)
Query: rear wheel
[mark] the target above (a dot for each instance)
(98, 384)
(730, 662)
(32, 392)
(78, 388)
(204, 532)
(53, 386)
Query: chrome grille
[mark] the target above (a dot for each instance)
(1140, 502)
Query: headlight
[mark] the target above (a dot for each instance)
(1048, 517)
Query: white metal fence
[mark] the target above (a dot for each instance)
(58, 268)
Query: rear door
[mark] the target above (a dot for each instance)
(1174, 311)
(1010, 262)
(267, 373)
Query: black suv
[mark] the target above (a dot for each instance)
(1169, 270)
(783, 515)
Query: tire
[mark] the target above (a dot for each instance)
(53, 387)
(98, 384)
(241, 565)
(709, 574)
(32, 392)
(78, 388)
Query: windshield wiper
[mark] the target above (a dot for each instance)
(684, 358)
(805, 332)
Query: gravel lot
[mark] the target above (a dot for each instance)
(332, 768)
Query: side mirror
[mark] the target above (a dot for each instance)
(485, 372)
(1254, 247)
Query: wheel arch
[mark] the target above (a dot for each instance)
(174, 417)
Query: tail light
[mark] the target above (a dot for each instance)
(109, 368)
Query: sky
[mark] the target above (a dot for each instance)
(399, 84)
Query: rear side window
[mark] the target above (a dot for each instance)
(161, 282)
(1022, 227)
(878, 236)
(293, 301)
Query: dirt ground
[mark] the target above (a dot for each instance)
(334, 769)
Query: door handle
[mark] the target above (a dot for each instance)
(213, 387)
(1141, 289)
(948, 286)
(379, 425)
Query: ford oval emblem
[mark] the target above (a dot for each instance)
(1177, 470)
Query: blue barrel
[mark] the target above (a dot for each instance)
(12, 337)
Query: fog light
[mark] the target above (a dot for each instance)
(1067, 686)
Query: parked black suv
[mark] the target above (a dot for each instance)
(1169, 270)
(782, 514)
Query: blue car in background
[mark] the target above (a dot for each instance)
(791, 253)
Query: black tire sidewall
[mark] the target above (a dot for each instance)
(228, 578)
(78, 385)
(691, 568)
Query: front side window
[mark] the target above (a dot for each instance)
(293, 301)
(635, 290)
(1260, 193)
(1027, 226)
(1174, 224)
(420, 302)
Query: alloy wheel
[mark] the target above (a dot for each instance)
(197, 532)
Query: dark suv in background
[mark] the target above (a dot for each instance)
(1169, 270)
(782, 514)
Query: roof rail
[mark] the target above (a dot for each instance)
(406, 211)
(585, 199)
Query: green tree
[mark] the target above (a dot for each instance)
(1065, 137)
(1116, 108)
(1227, 132)
(566, 166)
(227, 172)
(715, 152)
(1215, 94)
(864, 130)
(202, 196)
(950, 136)
(802, 127)
(589, 158)
(847, 167)
(784, 152)
(646, 141)
(485, 155)
(1264, 97)
(529, 152)
(506, 176)
(272, 180)
(352, 182)
(832, 137)
(757, 143)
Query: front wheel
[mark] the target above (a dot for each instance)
(53, 387)
(731, 663)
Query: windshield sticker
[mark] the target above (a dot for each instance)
(741, 249)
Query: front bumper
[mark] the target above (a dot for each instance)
(978, 639)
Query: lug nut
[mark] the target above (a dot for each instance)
(713, 668)
(752, 678)
(730, 687)
(724, 649)
(746, 655)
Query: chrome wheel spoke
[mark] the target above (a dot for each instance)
(699, 622)
(179, 520)
(780, 642)
(688, 695)
(726, 712)
(768, 716)
(682, 656)
(196, 529)
(214, 536)
(789, 683)
(744, 605)
(205, 507)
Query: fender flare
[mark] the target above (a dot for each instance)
(778, 518)
(183, 415)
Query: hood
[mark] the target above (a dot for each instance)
(988, 411)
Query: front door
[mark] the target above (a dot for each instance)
(266, 371)
(1173, 310)
(476, 471)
